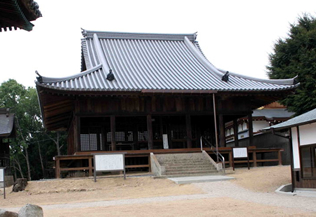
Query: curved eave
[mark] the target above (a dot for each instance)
(55, 80)
(290, 81)
(48, 86)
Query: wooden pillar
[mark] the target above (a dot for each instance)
(254, 158)
(113, 142)
(280, 157)
(90, 166)
(222, 139)
(230, 158)
(57, 170)
(77, 134)
(235, 127)
(150, 132)
(103, 134)
(135, 137)
(189, 130)
(250, 129)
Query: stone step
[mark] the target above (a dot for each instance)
(184, 162)
(186, 165)
(191, 173)
(189, 167)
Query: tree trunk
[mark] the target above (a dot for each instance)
(19, 167)
(41, 159)
(28, 164)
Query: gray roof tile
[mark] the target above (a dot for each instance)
(6, 122)
(305, 118)
(157, 62)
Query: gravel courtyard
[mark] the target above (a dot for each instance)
(251, 193)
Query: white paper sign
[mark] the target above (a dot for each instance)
(240, 152)
(165, 141)
(109, 162)
(1, 175)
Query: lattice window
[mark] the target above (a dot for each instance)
(84, 140)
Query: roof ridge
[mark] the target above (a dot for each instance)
(137, 35)
(199, 55)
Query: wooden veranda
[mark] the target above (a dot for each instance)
(135, 159)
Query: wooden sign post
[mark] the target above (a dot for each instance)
(240, 152)
(109, 162)
(2, 179)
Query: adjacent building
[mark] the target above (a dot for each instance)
(7, 134)
(16, 14)
(302, 130)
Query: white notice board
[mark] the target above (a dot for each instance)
(109, 162)
(241, 152)
(1, 175)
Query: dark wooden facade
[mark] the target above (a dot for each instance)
(108, 122)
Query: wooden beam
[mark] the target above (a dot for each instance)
(222, 139)
(113, 142)
(250, 129)
(150, 132)
(235, 127)
(77, 133)
(189, 130)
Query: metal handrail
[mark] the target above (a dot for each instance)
(218, 155)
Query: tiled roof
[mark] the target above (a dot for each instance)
(6, 122)
(272, 113)
(18, 14)
(308, 117)
(152, 62)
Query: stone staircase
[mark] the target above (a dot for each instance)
(188, 164)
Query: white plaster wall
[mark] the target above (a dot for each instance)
(259, 125)
(307, 134)
(296, 159)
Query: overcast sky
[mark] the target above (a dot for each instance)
(236, 36)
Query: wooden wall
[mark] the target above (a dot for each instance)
(154, 105)
(159, 105)
(300, 182)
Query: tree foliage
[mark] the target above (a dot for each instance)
(296, 55)
(33, 149)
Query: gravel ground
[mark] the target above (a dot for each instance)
(231, 190)
(251, 194)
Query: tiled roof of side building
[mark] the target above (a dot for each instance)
(272, 113)
(6, 122)
(153, 62)
(306, 118)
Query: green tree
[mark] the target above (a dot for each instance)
(296, 55)
(33, 149)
